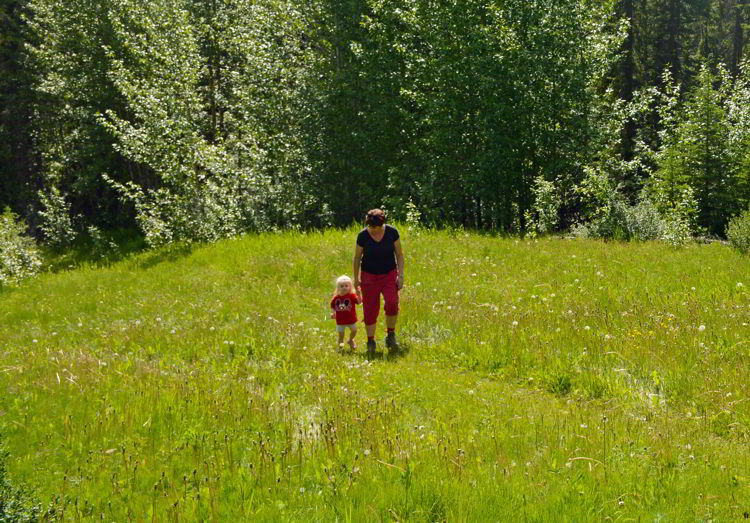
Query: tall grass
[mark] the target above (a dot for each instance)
(539, 380)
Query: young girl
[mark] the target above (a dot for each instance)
(344, 311)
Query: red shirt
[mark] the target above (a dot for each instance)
(345, 308)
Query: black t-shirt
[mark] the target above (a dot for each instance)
(378, 257)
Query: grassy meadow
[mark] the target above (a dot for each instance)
(547, 380)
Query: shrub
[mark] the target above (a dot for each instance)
(544, 217)
(643, 222)
(19, 258)
(738, 232)
(611, 221)
(57, 224)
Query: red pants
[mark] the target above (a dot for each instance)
(373, 285)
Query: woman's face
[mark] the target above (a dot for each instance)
(375, 229)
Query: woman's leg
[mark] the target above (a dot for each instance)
(391, 296)
(370, 307)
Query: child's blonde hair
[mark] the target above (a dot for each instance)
(342, 279)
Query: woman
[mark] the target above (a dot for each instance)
(378, 253)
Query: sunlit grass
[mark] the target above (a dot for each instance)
(540, 380)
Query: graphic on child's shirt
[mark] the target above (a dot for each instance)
(343, 305)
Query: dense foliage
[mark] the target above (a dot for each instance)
(16, 503)
(195, 119)
(19, 258)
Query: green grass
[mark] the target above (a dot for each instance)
(549, 380)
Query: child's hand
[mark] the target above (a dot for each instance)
(333, 315)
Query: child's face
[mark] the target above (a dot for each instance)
(344, 287)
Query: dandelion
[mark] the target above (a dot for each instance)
(471, 392)
(173, 331)
(302, 490)
(739, 284)
(418, 283)
(586, 328)
(33, 341)
(515, 323)
(701, 328)
(366, 452)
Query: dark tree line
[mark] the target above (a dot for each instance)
(195, 119)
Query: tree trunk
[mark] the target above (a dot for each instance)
(738, 37)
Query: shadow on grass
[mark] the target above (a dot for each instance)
(404, 348)
(102, 251)
(170, 253)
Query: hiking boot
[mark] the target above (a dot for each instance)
(371, 346)
(390, 341)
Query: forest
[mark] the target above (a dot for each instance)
(193, 120)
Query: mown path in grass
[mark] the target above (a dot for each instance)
(549, 380)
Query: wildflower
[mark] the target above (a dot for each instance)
(366, 452)
(586, 328)
(701, 328)
(739, 284)
(515, 323)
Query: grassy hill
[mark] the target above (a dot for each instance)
(550, 380)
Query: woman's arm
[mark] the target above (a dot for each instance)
(356, 261)
(399, 262)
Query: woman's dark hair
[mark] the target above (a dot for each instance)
(375, 218)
